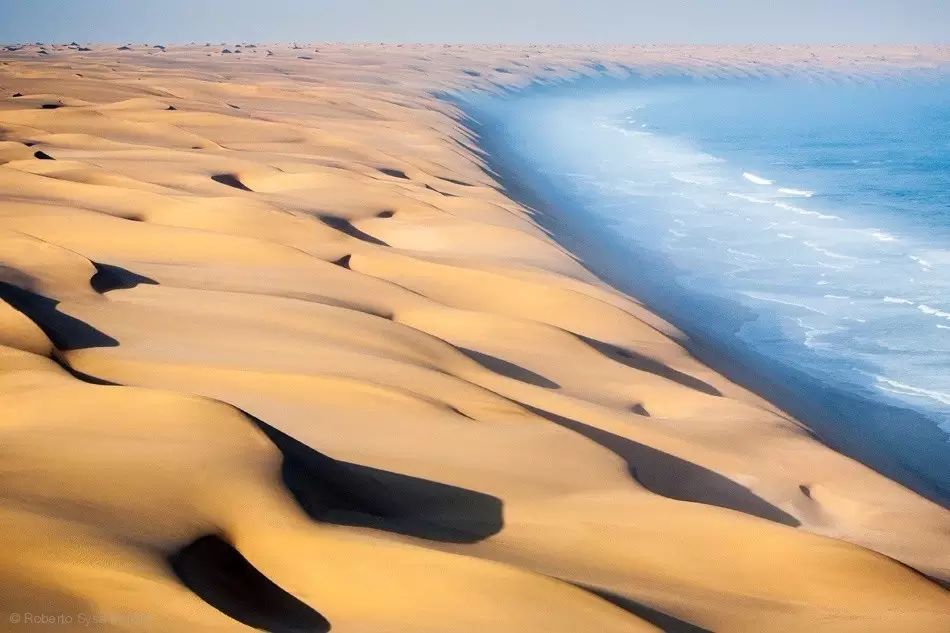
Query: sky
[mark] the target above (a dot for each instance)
(477, 21)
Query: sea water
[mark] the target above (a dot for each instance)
(803, 225)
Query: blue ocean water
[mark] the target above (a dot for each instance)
(804, 225)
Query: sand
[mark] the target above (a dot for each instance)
(277, 350)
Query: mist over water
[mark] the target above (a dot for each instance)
(805, 223)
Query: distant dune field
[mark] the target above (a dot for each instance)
(277, 350)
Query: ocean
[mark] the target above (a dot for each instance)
(797, 228)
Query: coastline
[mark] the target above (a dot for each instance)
(280, 311)
(904, 445)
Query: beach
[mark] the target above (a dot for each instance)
(278, 349)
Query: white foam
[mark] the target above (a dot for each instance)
(898, 300)
(625, 131)
(803, 193)
(926, 309)
(743, 254)
(923, 262)
(748, 198)
(801, 211)
(826, 252)
(695, 179)
(762, 296)
(881, 236)
(893, 386)
(758, 180)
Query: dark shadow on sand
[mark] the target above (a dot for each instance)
(675, 478)
(510, 370)
(66, 332)
(221, 576)
(395, 173)
(447, 195)
(341, 493)
(231, 181)
(345, 226)
(663, 621)
(460, 183)
(83, 376)
(644, 363)
(109, 277)
(343, 262)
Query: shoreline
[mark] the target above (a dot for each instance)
(270, 316)
(863, 427)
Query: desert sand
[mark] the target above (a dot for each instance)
(277, 350)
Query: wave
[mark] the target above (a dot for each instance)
(802, 193)
(926, 309)
(923, 262)
(881, 236)
(762, 296)
(801, 211)
(695, 179)
(893, 386)
(758, 180)
(826, 252)
(748, 198)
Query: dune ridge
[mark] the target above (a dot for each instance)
(276, 350)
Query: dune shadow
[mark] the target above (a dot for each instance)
(220, 575)
(343, 262)
(83, 376)
(109, 277)
(341, 493)
(673, 477)
(395, 173)
(231, 181)
(66, 332)
(461, 183)
(663, 621)
(345, 226)
(511, 370)
(447, 195)
(644, 363)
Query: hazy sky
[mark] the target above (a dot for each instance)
(465, 21)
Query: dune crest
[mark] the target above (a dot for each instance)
(277, 350)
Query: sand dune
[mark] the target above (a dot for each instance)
(277, 351)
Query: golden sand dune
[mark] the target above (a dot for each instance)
(276, 350)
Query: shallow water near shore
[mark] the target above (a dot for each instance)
(797, 229)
